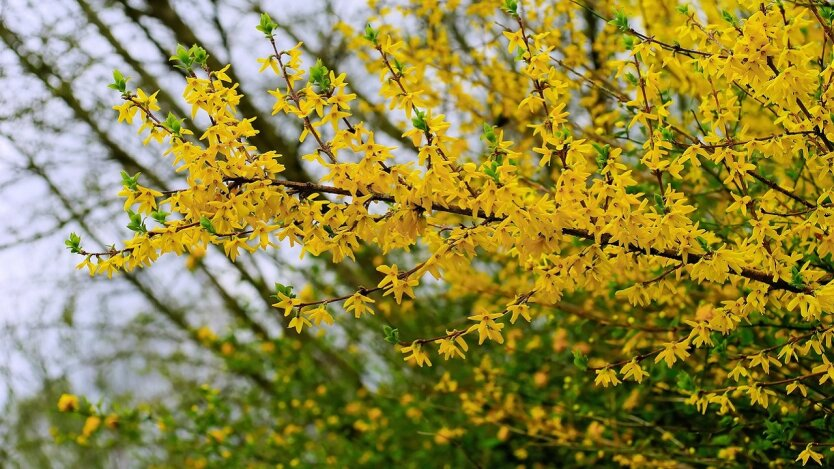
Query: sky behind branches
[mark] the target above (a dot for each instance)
(50, 309)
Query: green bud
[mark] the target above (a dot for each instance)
(130, 182)
(285, 290)
(704, 245)
(173, 124)
(399, 66)
(419, 121)
(160, 216)
(266, 25)
(199, 55)
(796, 277)
(392, 335)
(205, 224)
(320, 76)
(371, 34)
(729, 17)
(136, 223)
(73, 243)
(602, 154)
(119, 82)
(620, 21)
(183, 58)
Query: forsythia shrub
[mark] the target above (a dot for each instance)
(614, 222)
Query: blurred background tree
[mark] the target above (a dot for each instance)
(61, 155)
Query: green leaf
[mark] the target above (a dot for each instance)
(684, 381)
(205, 224)
(620, 21)
(667, 134)
(136, 223)
(320, 76)
(722, 440)
(183, 58)
(729, 17)
(199, 55)
(704, 245)
(658, 201)
(371, 34)
(173, 124)
(392, 335)
(285, 290)
(511, 7)
(266, 25)
(399, 66)
(603, 151)
(130, 182)
(580, 360)
(419, 121)
(119, 82)
(827, 12)
(160, 216)
(73, 243)
(796, 277)
(489, 135)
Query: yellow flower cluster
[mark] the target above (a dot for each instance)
(697, 198)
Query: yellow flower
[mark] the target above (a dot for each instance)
(319, 315)
(672, 351)
(418, 355)
(517, 310)
(205, 334)
(606, 376)
(450, 348)
(298, 323)
(91, 425)
(221, 74)
(126, 111)
(487, 327)
(634, 371)
(807, 454)
(268, 62)
(286, 303)
(219, 434)
(358, 304)
(68, 403)
(111, 421)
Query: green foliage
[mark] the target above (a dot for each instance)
(320, 76)
(119, 82)
(73, 243)
(419, 120)
(205, 223)
(620, 21)
(266, 25)
(137, 223)
(130, 182)
(371, 34)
